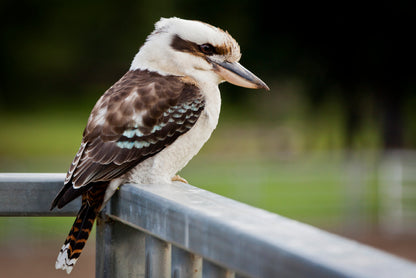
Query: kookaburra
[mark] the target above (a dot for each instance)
(151, 122)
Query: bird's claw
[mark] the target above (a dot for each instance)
(179, 178)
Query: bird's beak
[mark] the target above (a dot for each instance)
(238, 75)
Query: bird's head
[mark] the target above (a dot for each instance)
(195, 49)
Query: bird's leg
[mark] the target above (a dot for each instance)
(179, 178)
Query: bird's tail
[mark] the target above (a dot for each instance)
(78, 235)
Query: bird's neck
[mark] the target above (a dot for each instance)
(142, 62)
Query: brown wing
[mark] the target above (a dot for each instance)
(135, 119)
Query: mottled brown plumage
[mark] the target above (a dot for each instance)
(142, 108)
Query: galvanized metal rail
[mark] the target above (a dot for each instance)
(179, 230)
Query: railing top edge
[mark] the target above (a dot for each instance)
(275, 234)
(245, 238)
(31, 194)
(32, 177)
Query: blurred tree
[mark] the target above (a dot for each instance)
(354, 47)
(361, 53)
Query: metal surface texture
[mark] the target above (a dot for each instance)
(185, 264)
(27, 194)
(247, 240)
(211, 270)
(178, 230)
(120, 250)
(158, 258)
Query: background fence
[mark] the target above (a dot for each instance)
(397, 191)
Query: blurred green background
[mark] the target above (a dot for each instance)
(331, 144)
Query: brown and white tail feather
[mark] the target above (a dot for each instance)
(92, 201)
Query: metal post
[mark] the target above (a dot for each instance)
(120, 250)
(103, 253)
(158, 258)
(211, 270)
(185, 264)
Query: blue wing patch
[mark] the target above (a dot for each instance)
(178, 115)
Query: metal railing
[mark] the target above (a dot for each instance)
(179, 230)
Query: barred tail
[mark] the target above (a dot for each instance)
(81, 229)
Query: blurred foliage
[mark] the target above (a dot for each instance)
(355, 56)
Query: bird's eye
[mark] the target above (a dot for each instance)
(207, 49)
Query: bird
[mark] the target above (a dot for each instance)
(150, 123)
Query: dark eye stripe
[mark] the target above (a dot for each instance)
(185, 46)
(198, 50)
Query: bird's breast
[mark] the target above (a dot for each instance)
(163, 166)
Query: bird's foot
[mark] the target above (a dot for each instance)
(179, 178)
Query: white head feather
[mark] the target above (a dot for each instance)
(157, 54)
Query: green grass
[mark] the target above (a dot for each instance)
(311, 191)
(41, 135)
(18, 228)
(252, 163)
